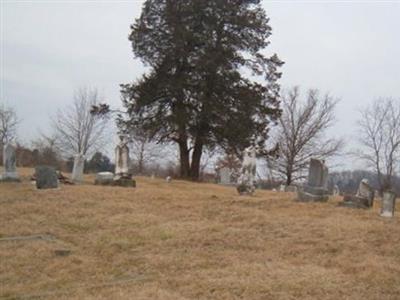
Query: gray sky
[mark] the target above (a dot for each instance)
(49, 48)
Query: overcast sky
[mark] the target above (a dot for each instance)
(49, 48)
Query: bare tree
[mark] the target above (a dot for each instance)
(144, 151)
(79, 131)
(8, 127)
(8, 124)
(300, 133)
(46, 151)
(379, 127)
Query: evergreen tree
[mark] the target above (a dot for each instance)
(195, 92)
(99, 163)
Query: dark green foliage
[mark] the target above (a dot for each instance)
(195, 92)
(99, 163)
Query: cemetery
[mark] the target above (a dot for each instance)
(173, 150)
(96, 239)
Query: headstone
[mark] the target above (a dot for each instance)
(336, 190)
(9, 163)
(46, 177)
(104, 178)
(225, 175)
(316, 189)
(363, 199)
(168, 179)
(122, 175)
(77, 171)
(122, 157)
(364, 189)
(247, 179)
(318, 174)
(388, 204)
(282, 188)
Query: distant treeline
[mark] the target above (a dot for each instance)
(348, 181)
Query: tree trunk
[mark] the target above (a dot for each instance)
(184, 159)
(289, 173)
(196, 158)
(288, 178)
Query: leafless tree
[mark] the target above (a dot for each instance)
(379, 127)
(8, 124)
(300, 133)
(79, 131)
(145, 151)
(46, 151)
(8, 127)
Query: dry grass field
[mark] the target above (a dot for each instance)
(182, 240)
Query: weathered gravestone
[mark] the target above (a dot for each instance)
(122, 175)
(363, 199)
(316, 189)
(10, 164)
(247, 179)
(225, 175)
(388, 204)
(46, 177)
(77, 171)
(336, 190)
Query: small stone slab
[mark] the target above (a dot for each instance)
(108, 178)
(104, 178)
(46, 177)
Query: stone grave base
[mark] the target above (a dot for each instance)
(127, 182)
(355, 202)
(6, 178)
(303, 196)
(312, 194)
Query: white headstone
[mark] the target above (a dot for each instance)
(9, 163)
(122, 157)
(388, 204)
(336, 190)
(77, 171)
(168, 179)
(365, 190)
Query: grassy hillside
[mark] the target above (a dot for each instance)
(183, 240)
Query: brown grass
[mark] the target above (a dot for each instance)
(191, 241)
